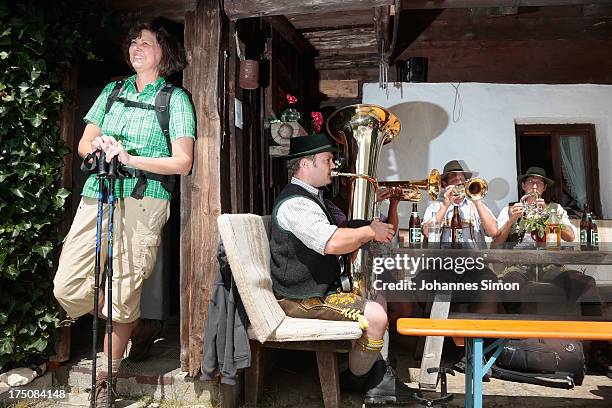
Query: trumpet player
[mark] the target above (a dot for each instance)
(478, 220)
(533, 183)
(573, 284)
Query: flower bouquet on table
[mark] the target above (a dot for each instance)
(536, 221)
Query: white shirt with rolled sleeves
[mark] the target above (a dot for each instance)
(504, 216)
(467, 211)
(305, 219)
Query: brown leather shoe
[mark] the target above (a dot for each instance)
(102, 394)
(144, 334)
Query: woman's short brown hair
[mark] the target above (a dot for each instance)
(168, 37)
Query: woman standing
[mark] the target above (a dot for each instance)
(129, 130)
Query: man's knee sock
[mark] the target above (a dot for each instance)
(384, 352)
(364, 354)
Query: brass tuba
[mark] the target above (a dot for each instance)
(361, 131)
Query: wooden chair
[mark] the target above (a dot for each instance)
(245, 237)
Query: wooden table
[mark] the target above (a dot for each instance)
(567, 254)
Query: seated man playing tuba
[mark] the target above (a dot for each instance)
(305, 245)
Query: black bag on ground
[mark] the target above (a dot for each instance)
(552, 363)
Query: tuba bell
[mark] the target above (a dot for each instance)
(361, 131)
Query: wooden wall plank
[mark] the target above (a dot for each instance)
(566, 61)
(442, 4)
(339, 88)
(344, 38)
(338, 19)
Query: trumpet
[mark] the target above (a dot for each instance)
(409, 190)
(474, 189)
(528, 207)
(402, 190)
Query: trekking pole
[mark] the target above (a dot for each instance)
(112, 175)
(101, 175)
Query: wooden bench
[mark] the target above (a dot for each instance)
(245, 237)
(470, 332)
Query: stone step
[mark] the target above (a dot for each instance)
(154, 379)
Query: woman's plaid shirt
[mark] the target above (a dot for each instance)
(139, 131)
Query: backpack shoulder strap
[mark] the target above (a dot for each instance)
(113, 95)
(162, 110)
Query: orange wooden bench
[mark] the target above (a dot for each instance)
(470, 332)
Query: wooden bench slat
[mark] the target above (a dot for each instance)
(523, 329)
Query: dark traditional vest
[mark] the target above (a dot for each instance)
(298, 272)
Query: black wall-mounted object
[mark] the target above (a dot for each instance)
(414, 69)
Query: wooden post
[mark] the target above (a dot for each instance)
(201, 199)
(67, 120)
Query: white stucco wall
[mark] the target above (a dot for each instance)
(477, 125)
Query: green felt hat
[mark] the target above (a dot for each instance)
(306, 145)
(456, 166)
(538, 172)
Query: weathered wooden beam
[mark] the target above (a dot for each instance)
(339, 89)
(528, 61)
(342, 39)
(338, 19)
(236, 9)
(597, 10)
(290, 34)
(344, 62)
(132, 10)
(452, 25)
(442, 4)
(201, 200)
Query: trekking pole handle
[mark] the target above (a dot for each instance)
(102, 165)
(112, 167)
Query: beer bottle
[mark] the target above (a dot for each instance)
(415, 226)
(594, 233)
(553, 231)
(456, 226)
(585, 230)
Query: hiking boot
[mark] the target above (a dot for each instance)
(144, 334)
(383, 387)
(102, 394)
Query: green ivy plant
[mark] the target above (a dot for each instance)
(39, 41)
